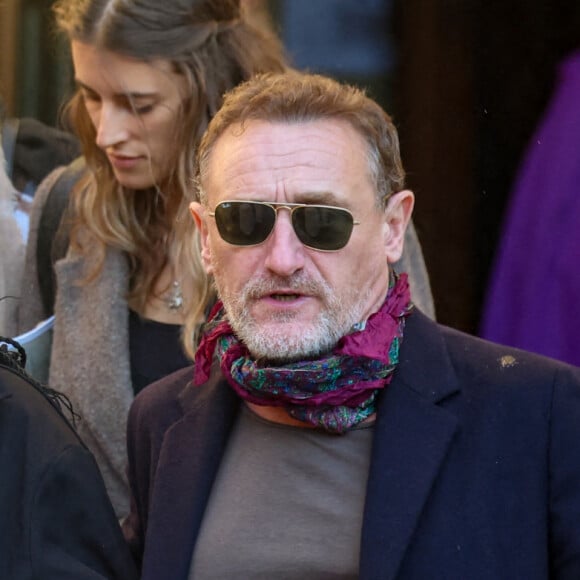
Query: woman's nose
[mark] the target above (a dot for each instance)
(111, 126)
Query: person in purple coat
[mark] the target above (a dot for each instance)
(533, 299)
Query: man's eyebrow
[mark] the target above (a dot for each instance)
(316, 197)
(134, 95)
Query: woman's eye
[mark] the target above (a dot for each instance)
(143, 109)
(138, 107)
(90, 97)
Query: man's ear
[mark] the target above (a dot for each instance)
(198, 213)
(397, 215)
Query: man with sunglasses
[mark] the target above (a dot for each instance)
(329, 429)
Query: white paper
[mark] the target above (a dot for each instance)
(37, 343)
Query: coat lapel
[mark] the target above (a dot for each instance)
(412, 436)
(188, 462)
(90, 361)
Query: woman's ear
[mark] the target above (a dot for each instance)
(397, 215)
(198, 213)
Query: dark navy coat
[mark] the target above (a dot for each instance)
(475, 470)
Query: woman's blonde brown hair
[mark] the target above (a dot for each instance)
(214, 46)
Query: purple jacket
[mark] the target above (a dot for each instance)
(533, 299)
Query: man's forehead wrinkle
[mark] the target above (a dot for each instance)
(275, 150)
(288, 170)
(309, 138)
(257, 162)
(275, 181)
(271, 158)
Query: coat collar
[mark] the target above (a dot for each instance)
(188, 463)
(411, 439)
(90, 360)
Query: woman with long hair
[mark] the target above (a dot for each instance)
(149, 76)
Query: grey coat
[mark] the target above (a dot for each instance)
(90, 352)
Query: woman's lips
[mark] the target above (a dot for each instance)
(123, 161)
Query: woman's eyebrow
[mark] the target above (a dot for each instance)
(82, 85)
(132, 95)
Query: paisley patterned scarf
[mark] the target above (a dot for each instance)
(334, 392)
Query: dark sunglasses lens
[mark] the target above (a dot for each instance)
(323, 228)
(244, 224)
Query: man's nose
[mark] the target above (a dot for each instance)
(285, 253)
(111, 126)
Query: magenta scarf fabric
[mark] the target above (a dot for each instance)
(334, 392)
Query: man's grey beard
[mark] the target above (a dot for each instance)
(335, 320)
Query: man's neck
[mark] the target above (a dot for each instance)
(280, 415)
(276, 415)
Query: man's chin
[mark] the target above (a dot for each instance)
(282, 346)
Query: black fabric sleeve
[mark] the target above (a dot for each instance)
(73, 530)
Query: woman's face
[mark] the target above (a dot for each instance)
(136, 109)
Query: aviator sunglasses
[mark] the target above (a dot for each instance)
(248, 223)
